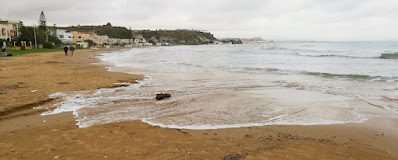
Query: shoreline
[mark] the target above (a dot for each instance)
(29, 80)
(27, 135)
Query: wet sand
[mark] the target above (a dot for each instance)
(27, 135)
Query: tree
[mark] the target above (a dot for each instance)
(109, 24)
(90, 42)
(42, 22)
(28, 36)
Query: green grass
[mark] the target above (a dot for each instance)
(29, 51)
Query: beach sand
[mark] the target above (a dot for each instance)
(27, 135)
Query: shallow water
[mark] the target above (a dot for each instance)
(300, 83)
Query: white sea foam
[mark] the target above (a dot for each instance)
(72, 104)
(211, 127)
(215, 87)
(57, 95)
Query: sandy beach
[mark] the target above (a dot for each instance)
(26, 82)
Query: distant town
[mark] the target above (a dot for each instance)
(15, 35)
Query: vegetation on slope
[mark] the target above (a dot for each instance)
(190, 37)
(109, 30)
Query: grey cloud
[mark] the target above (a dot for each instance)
(271, 19)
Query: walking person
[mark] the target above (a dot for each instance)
(3, 50)
(66, 50)
(72, 49)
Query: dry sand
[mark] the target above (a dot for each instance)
(27, 135)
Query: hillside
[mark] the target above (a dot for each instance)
(189, 37)
(111, 31)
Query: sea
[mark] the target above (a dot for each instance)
(230, 86)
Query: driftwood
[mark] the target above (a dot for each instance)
(162, 96)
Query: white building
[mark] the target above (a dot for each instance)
(136, 41)
(163, 44)
(63, 35)
(139, 40)
(125, 41)
(112, 41)
(147, 44)
(82, 44)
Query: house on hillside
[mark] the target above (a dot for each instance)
(136, 41)
(98, 39)
(82, 44)
(139, 42)
(9, 30)
(63, 35)
(163, 44)
(147, 44)
(80, 37)
(112, 41)
(124, 41)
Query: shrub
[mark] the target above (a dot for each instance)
(1, 42)
(48, 45)
(90, 42)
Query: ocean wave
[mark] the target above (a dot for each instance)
(272, 47)
(389, 56)
(358, 77)
(255, 70)
(333, 55)
(382, 56)
(345, 76)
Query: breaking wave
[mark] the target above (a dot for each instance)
(389, 56)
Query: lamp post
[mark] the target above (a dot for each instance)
(34, 33)
(46, 35)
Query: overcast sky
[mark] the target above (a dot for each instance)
(335, 20)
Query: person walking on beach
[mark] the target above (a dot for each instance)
(3, 50)
(66, 50)
(72, 49)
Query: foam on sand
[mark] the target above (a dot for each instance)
(216, 87)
